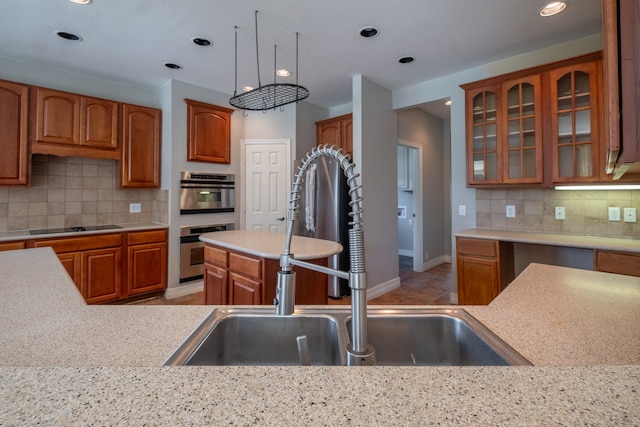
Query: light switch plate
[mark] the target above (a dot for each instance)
(629, 214)
(462, 210)
(560, 212)
(614, 214)
(135, 208)
(511, 211)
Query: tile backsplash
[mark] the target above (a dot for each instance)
(75, 191)
(586, 212)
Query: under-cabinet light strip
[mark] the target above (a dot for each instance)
(598, 187)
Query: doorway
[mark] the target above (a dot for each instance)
(267, 177)
(410, 205)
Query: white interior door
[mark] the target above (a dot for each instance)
(267, 183)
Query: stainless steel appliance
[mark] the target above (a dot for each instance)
(324, 214)
(192, 250)
(203, 192)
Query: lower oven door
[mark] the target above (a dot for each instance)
(191, 260)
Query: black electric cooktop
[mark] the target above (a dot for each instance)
(74, 229)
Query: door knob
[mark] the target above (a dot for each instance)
(280, 219)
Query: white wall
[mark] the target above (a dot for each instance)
(374, 144)
(449, 87)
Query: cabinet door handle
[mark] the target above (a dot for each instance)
(280, 219)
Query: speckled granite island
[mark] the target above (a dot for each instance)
(63, 362)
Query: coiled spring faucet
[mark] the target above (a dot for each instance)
(359, 352)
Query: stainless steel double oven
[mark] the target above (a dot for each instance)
(192, 250)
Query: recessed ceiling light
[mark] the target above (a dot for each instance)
(247, 88)
(368, 32)
(283, 73)
(81, 1)
(553, 8)
(406, 59)
(173, 66)
(201, 41)
(68, 36)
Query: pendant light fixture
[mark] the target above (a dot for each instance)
(266, 97)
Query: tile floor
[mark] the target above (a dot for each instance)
(432, 287)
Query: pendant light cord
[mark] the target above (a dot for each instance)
(257, 54)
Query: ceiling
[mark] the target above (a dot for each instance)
(129, 41)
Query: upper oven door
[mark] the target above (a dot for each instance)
(206, 198)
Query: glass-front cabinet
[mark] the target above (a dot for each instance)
(536, 127)
(575, 134)
(484, 166)
(523, 129)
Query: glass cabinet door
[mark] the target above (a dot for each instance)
(522, 153)
(484, 166)
(574, 112)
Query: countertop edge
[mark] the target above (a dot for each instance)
(9, 236)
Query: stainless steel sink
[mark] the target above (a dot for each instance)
(401, 337)
(234, 337)
(437, 338)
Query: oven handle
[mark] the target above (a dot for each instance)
(192, 238)
(205, 185)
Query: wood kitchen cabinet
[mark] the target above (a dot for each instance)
(67, 124)
(621, 40)
(12, 246)
(208, 132)
(141, 147)
(336, 131)
(237, 278)
(536, 127)
(484, 269)
(617, 262)
(93, 262)
(14, 114)
(146, 262)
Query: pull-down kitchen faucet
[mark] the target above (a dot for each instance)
(359, 352)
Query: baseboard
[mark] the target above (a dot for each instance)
(436, 262)
(405, 252)
(180, 291)
(383, 288)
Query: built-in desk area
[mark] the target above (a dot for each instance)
(488, 260)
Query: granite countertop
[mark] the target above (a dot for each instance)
(7, 236)
(556, 239)
(65, 363)
(271, 245)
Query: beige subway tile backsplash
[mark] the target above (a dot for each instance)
(74, 191)
(586, 211)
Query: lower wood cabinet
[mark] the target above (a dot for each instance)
(11, 246)
(484, 267)
(102, 273)
(617, 262)
(237, 278)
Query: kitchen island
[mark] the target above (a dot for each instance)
(63, 362)
(240, 267)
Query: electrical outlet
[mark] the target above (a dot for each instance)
(614, 214)
(462, 210)
(629, 214)
(426, 256)
(511, 211)
(135, 208)
(560, 212)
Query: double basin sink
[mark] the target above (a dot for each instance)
(400, 337)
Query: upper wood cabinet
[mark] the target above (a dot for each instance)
(575, 118)
(141, 146)
(621, 40)
(336, 131)
(535, 127)
(68, 124)
(208, 132)
(14, 112)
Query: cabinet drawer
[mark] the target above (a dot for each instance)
(151, 236)
(479, 247)
(617, 262)
(75, 244)
(10, 246)
(250, 267)
(215, 256)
